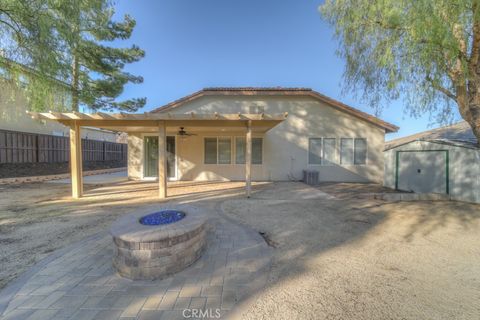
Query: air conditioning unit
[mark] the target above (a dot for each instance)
(310, 177)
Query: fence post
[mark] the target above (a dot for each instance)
(37, 152)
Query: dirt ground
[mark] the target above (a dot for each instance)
(358, 258)
(15, 170)
(340, 255)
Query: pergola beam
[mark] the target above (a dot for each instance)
(100, 116)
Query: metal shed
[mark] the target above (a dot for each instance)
(442, 160)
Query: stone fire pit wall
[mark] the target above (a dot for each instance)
(154, 252)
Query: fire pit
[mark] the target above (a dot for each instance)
(162, 217)
(157, 244)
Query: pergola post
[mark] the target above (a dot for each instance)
(76, 160)
(162, 160)
(248, 159)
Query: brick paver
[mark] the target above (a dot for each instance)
(81, 283)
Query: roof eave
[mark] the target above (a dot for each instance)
(388, 127)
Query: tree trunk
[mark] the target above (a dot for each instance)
(474, 120)
(75, 61)
(75, 82)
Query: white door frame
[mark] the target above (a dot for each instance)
(143, 177)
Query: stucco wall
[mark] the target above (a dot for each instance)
(464, 168)
(285, 147)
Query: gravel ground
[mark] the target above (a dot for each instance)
(356, 258)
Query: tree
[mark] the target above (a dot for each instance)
(426, 50)
(68, 41)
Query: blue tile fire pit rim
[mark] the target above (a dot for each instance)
(162, 217)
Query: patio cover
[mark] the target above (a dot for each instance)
(158, 123)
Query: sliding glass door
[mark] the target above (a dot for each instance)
(151, 157)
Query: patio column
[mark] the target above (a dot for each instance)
(76, 160)
(248, 159)
(162, 160)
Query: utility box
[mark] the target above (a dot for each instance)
(310, 177)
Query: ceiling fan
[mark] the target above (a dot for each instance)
(182, 132)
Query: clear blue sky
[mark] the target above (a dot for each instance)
(192, 44)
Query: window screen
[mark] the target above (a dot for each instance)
(224, 150)
(329, 148)
(241, 150)
(315, 151)
(360, 153)
(346, 151)
(257, 150)
(210, 150)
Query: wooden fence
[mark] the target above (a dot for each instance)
(22, 147)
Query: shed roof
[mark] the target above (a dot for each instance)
(277, 91)
(458, 134)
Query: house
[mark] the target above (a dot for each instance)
(242, 134)
(445, 160)
(14, 104)
(342, 143)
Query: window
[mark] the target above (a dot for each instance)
(346, 151)
(329, 151)
(353, 151)
(218, 150)
(224, 150)
(321, 151)
(241, 150)
(210, 150)
(315, 151)
(257, 150)
(360, 151)
(256, 109)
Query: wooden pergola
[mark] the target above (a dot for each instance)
(156, 123)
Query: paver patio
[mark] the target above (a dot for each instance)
(78, 282)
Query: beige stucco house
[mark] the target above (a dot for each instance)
(240, 134)
(342, 143)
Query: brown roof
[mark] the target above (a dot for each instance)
(459, 133)
(275, 91)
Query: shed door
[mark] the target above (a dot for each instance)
(422, 171)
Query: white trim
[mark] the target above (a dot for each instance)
(322, 163)
(366, 151)
(175, 177)
(353, 152)
(217, 164)
(142, 170)
(235, 150)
